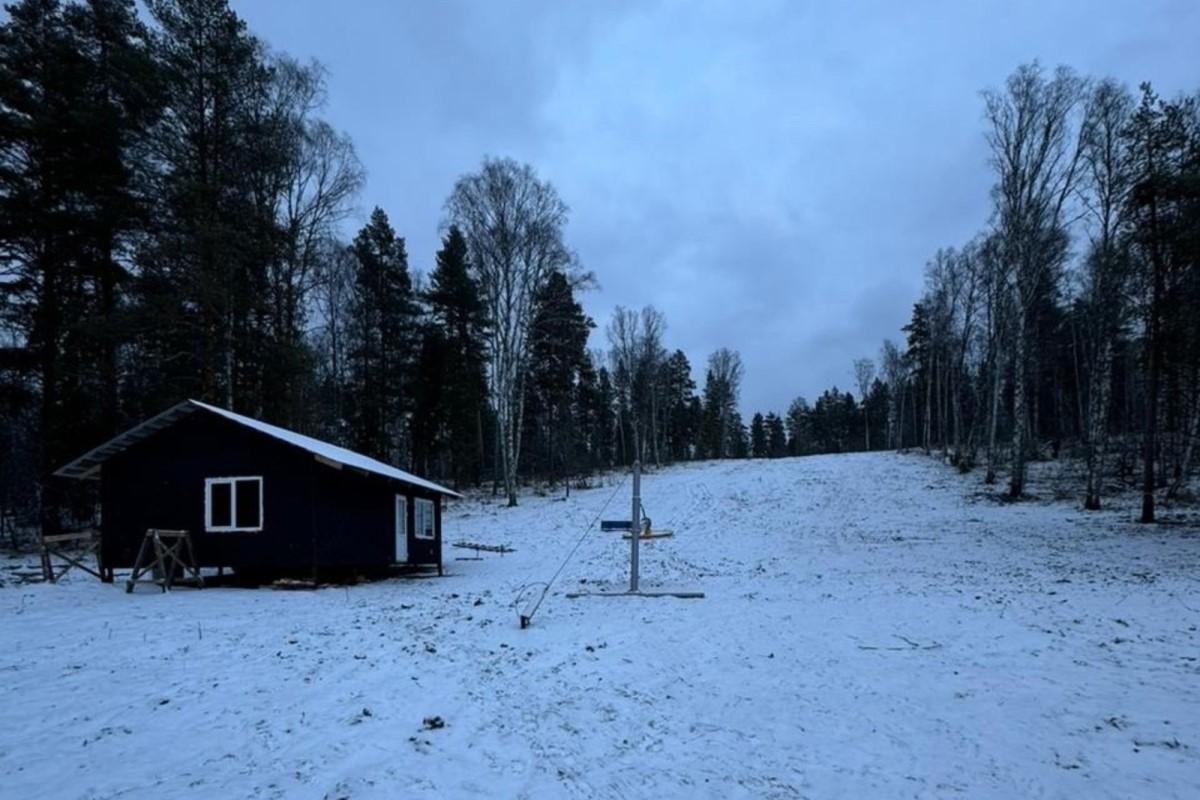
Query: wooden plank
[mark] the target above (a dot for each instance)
(490, 548)
(58, 538)
(683, 595)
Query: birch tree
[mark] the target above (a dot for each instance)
(864, 374)
(895, 376)
(1104, 193)
(995, 298)
(1035, 146)
(513, 223)
(635, 346)
(963, 279)
(722, 386)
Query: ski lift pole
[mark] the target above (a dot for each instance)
(635, 526)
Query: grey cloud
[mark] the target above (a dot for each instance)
(772, 175)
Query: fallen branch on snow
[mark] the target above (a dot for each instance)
(911, 645)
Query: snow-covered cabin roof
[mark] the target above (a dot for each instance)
(88, 465)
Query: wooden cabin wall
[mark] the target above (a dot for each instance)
(314, 515)
(356, 519)
(159, 483)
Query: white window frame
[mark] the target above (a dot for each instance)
(420, 505)
(232, 482)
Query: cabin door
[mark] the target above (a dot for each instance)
(401, 529)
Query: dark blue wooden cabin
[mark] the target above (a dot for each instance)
(259, 499)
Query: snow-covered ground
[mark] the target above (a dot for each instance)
(871, 628)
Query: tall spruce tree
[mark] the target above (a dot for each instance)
(42, 72)
(202, 276)
(603, 421)
(76, 89)
(383, 342)
(451, 388)
(678, 395)
(1157, 141)
(776, 436)
(759, 444)
(558, 344)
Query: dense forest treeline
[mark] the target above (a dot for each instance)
(171, 214)
(171, 208)
(1069, 325)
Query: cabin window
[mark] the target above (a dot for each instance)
(233, 504)
(423, 522)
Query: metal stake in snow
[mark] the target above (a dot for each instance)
(635, 527)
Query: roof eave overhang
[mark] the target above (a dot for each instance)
(334, 464)
(87, 466)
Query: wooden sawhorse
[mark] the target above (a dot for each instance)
(172, 552)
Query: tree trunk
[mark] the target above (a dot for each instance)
(1016, 485)
(943, 403)
(916, 424)
(479, 442)
(508, 454)
(994, 418)
(895, 414)
(1097, 432)
(496, 457)
(1150, 437)
(1185, 461)
(1034, 375)
(956, 418)
(927, 428)
(49, 323)
(108, 368)
(1079, 423)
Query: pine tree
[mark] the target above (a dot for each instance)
(1157, 140)
(759, 444)
(679, 393)
(739, 437)
(451, 387)
(776, 436)
(587, 389)
(603, 436)
(919, 358)
(203, 272)
(383, 342)
(877, 404)
(122, 97)
(41, 75)
(720, 434)
(799, 425)
(558, 345)
(711, 430)
(75, 100)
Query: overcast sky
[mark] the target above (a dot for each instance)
(771, 175)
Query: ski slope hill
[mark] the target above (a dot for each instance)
(870, 630)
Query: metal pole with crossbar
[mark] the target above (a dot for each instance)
(635, 526)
